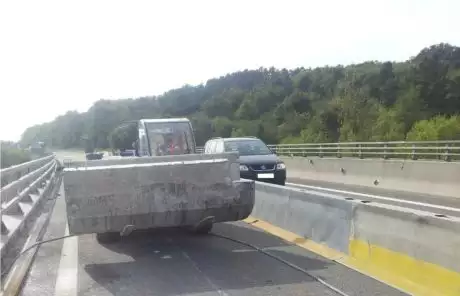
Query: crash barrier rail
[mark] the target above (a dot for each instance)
(14, 173)
(415, 251)
(27, 185)
(445, 150)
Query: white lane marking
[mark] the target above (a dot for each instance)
(243, 250)
(66, 283)
(377, 197)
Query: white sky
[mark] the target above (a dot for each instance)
(57, 56)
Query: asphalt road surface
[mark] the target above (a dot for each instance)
(174, 262)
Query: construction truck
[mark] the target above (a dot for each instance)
(167, 185)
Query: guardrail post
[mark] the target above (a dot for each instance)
(339, 155)
(447, 156)
(413, 154)
(360, 151)
(385, 155)
(321, 151)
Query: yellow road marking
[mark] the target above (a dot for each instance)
(398, 270)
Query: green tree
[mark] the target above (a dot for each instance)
(370, 101)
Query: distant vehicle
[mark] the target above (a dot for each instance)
(94, 155)
(257, 161)
(128, 153)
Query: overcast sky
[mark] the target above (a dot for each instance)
(57, 56)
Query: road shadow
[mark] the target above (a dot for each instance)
(174, 261)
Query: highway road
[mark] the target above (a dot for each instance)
(176, 262)
(234, 259)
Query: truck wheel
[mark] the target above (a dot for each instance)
(204, 226)
(205, 229)
(108, 237)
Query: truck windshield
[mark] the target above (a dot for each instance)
(247, 147)
(170, 138)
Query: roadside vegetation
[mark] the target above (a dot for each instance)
(12, 155)
(418, 99)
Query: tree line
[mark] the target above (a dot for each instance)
(418, 99)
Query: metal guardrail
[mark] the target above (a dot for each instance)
(441, 150)
(13, 173)
(445, 150)
(25, 188)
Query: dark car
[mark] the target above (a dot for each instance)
(94, 155)
(257, 161)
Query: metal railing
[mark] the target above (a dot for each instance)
(13, 173)
(440, 150)
(23, 188)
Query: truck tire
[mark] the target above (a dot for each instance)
(205, 229)
(108, 237)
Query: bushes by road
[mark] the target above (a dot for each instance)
(11, 155)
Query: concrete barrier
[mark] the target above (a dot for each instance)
(231, 157)
(416, 251)
(432, 177)
(155, 194)
(324, 219)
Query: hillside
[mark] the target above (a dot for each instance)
(418, 99)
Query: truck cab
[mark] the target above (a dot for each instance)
(169, 136)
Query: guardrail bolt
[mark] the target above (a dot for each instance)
(413, 154)
(447, 156)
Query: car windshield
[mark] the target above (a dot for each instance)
(247, 147)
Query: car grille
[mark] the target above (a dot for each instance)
(262, 167)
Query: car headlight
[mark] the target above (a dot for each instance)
(243, 167)
(280, 166)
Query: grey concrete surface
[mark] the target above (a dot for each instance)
(417, 234)
(322, 218)
(157, 194)
(432, 177)
(175, 262)
(420, 201)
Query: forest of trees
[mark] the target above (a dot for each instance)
(418, 99)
